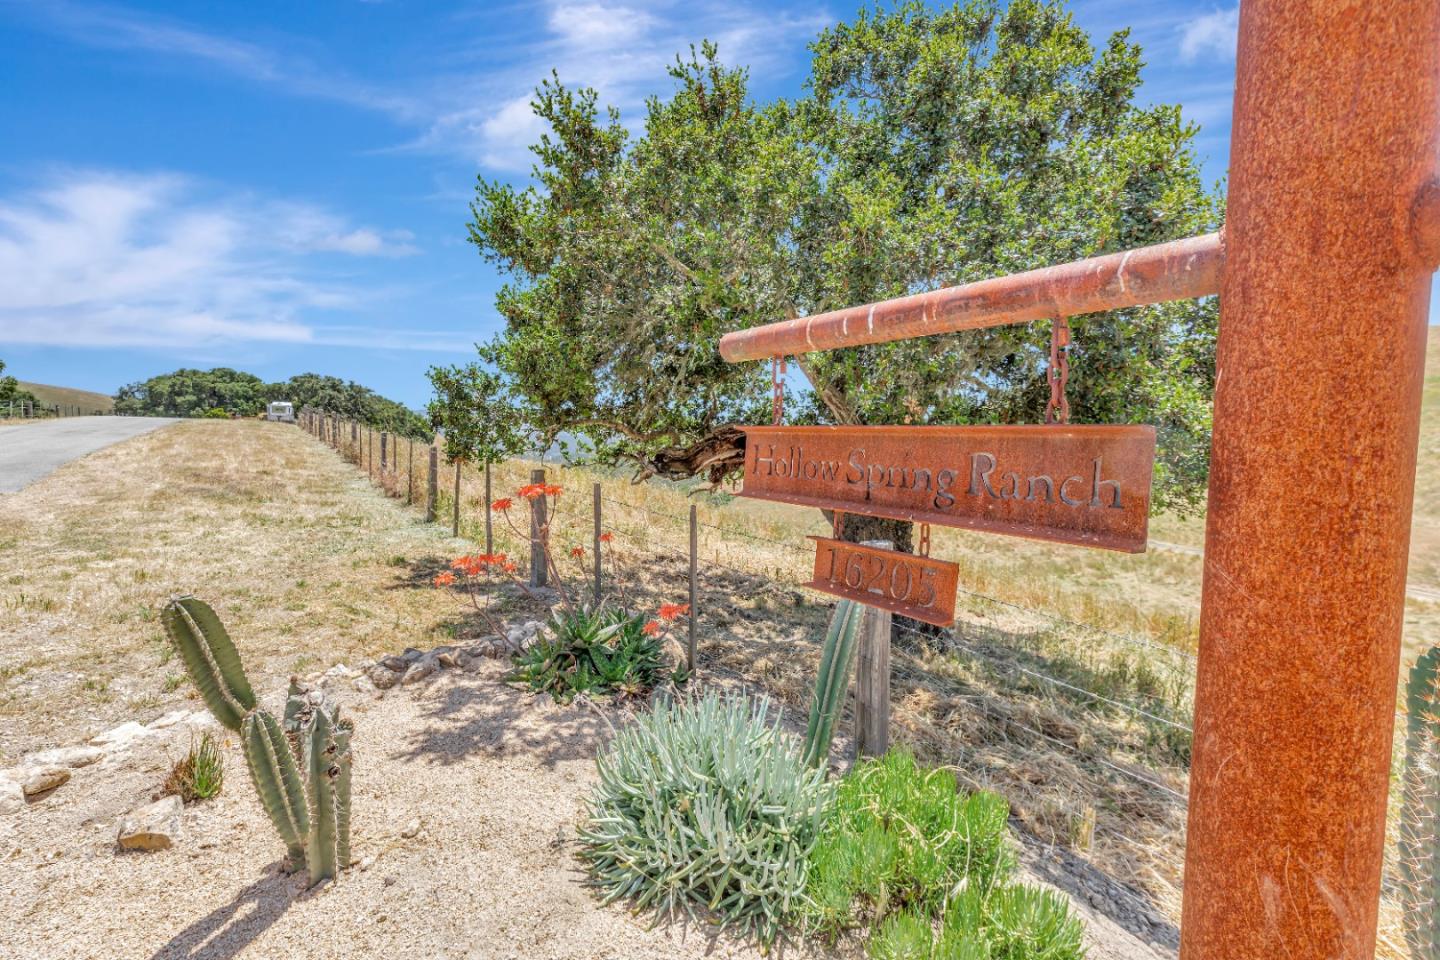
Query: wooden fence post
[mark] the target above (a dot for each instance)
(538, 572)
(455, 521)
(384, 451)
(694, 570)
(489, 533)
(432, 484)
(370, 451)
(410, 473)
(872, 684)
(872, 677)
(595, 543)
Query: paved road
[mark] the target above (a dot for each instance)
(33, 450)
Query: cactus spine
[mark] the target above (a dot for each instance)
(1419, 845)
(831, 682)
(300, 768)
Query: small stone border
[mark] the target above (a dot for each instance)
(414, 665)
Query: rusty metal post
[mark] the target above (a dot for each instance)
(538, 571)
(432, 484)
(595, 539)
(489, 532)
(1313, 465)
(694, 591)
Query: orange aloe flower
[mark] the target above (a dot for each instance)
(531, 491)
(652, 629)
(577, 552)
(503, 504)
(606, 537)
(670, 611)
(445, 579)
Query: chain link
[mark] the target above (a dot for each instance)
(924, 548)
(1058, 409)
(777, 388)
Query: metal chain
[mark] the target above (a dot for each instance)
(837, 523)
(777, 388)
(924, 549)
(1058, 409)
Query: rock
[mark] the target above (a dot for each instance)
(155, 826)
(364, 684)
(411, 830)
(12, 796)
(335, 674)
(410, 654)
(383, 677)
(170, 719)
(122, 736)
(420, 669)
(450, 658)
(37, 780)
(366, 862)
(392, 662)
(72, 757)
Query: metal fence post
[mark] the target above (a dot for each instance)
(432, 484)
(1303, 603)
(694, 592)
(489, 533)
(538, 572)
(595, 542)
(455, 521)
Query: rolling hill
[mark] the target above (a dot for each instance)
(86, 400)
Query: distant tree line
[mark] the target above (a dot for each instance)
(10, 391)
(224, 392)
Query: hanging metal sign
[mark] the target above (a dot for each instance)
(1088, 485)
(904, 583)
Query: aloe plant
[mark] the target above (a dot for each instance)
(301, 768)
(1419, 844)
(836, 659)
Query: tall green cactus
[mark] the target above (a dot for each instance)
(1419, 844)
(836, 658)
(300, 767)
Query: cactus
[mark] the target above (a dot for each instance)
(832, 680)
(300, 765)
(1419, 845)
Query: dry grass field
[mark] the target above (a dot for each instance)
(86, 400)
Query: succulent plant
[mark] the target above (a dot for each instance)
(833, 679)
(301, 768)
(706, 803)
(1419, 844)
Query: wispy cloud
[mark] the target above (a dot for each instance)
(1210, 35)
(472, 95)
(119, 28)
(103, 259)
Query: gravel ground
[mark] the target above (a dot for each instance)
(493, 777)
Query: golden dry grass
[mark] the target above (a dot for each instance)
(305, 565)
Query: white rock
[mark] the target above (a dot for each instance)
(411, 829)
(169, 719)
(37, 780)
(364, 684)
(155, 826)
(122, 736)
(337, 672)
(12, 796)
(72, 757)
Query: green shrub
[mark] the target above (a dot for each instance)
(706, 803)
(199, 774)
(591, 651)
(906, 853)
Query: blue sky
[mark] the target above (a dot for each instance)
(283, 187)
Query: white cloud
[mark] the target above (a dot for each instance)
(1212, 34)
(103, 259)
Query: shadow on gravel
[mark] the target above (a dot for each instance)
(228, 930)
(486, 718)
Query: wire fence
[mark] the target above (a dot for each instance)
(1085, 729)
